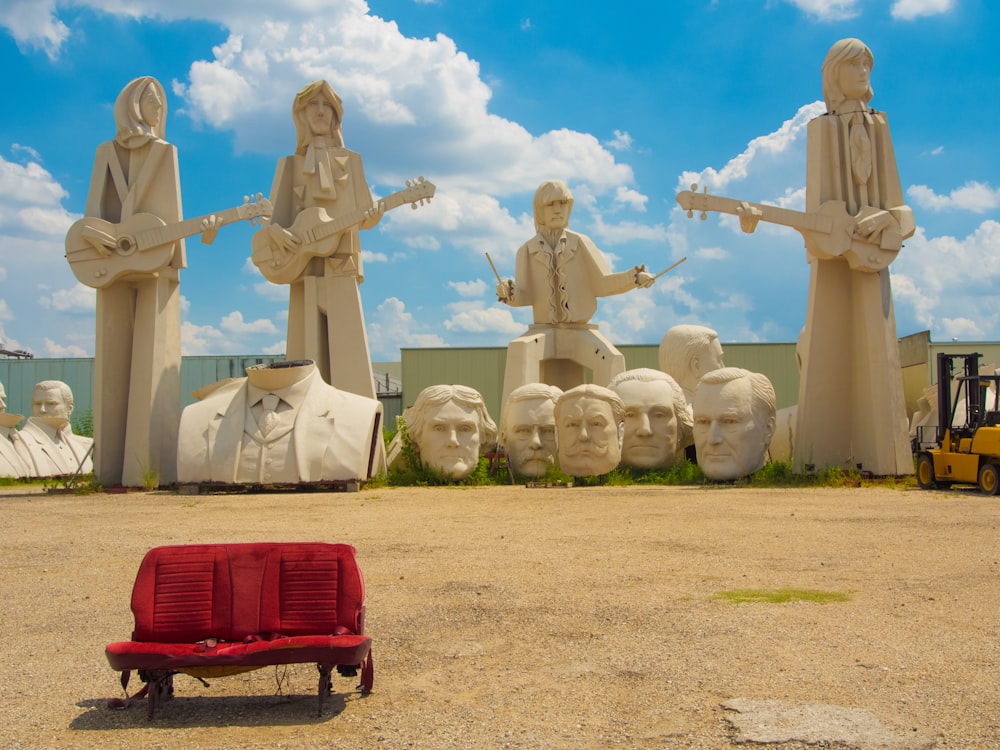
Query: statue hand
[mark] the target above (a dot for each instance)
(210, 227)
(505, 291)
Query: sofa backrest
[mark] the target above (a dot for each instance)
(188, 593)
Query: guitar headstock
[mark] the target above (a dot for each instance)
(691, 200)
(255, 208)
(419, 192)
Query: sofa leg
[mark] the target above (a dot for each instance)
(324, 683)
(161, 689)
(367, 674)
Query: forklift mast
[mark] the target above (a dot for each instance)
(973, 394)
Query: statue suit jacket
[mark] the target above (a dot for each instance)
(334, 434)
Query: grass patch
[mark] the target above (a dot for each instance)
(780, 596)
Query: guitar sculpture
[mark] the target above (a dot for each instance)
(830, 232)
(99, 252)
(317, 235)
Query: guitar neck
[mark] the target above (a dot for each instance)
(786, 217)
(170, 233)
(330, 228)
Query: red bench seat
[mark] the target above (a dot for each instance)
(212, 610)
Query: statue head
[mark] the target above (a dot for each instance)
(317, 112)
(52, 398)
(588, 430)
(734, 418)
(847, 74)
(449, 426)
(140, 112)
(553, 204)
(689, 351)
(528, 428)
(657, 419)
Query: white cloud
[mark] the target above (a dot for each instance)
(621, 142)
(78, 298)
(234, 324)
(475, 317)
(30, 201)
(828, 10)
(200, 340)
(53, 349)
(393, 327)
(907, 10)
(631, 198)
(792, 132)
(33, 25)
(939, 281)
(475, 288)
(972, 196)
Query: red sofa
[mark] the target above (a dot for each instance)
(212, 610)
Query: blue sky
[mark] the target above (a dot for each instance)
(487, 98)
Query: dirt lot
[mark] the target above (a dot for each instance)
(534, 618)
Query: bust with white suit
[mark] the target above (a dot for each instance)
(282, 424)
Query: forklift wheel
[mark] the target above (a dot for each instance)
(925, 472)
(989, 479)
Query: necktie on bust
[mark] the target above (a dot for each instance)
(269, 418)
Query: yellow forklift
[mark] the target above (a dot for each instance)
(966, 453)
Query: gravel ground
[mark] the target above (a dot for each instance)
(535, 617)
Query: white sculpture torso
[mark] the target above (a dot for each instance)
(318, 433)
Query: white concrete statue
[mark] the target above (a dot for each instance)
(282, 424)
(14, 458)
(528, 429)
(129, 246)
(687, 352)
(48, 436)
(449, 426)
(320, 201)
(854, 226)
(657, 419)
(560, 274)
(734, 413)
(589, 430)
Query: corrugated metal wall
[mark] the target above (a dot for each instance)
(20, 375)
(479, 368)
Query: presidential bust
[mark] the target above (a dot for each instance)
(48, 436)
(282, 424)
(528, 428)
(657, 420)
(449, 427)
(734, 418)
(588, 430)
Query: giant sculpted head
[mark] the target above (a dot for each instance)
(657, 419)
(449, 425)
(734, 417)
(528, 428)
(588, 430)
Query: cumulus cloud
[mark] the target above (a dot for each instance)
(760, 149)
(940, 281)
(475, 288)
(54, 349)
(394, 327)
(907, 10)
(78, 298)
(34, 25)
(234, 324)
(829, 10)
(475, 317)
(973, 196)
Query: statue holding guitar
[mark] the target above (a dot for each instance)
(321, 203)
(851, 408)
